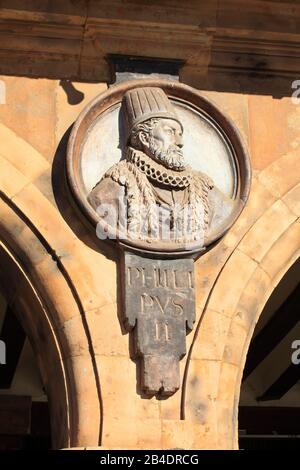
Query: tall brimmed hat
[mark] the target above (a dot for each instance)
(140, 104)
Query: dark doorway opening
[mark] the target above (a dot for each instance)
(24, 410)
(269, 412)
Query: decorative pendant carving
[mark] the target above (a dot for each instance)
(178, 181)
(159, 306)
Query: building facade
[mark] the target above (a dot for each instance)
(63, 288)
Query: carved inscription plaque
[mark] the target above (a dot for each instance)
(159, 302)
(162, 174)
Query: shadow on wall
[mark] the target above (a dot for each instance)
(74, 96)
(251, 82)
(269, 408)
(67, 207)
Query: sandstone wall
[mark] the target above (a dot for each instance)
(64, 288)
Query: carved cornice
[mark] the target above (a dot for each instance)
(259, 55)
(73, 40)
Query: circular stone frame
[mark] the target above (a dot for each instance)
(192, 98)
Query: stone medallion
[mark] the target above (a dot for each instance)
(160, 171)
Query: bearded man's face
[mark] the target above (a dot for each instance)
(164, 144)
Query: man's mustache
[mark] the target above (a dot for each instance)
(175, 149)
(173, 157)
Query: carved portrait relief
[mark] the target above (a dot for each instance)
(162, 174)
(156, 166)
(153, 193)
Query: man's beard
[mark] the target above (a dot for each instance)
(171, 158)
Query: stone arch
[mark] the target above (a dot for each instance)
(239, 277)
(64, 268)
(254, 284)
(41, 292)
(263, 256)
(33, 316)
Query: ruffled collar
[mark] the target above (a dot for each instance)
(157, 172)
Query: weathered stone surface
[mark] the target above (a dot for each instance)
(170, 408)
(34, 108)
(273, 119)
(120, 434)
(292, 199)
(11, 179)
(86, 413)
(227, 399)
(267, 230)
(120, 184)
(234, 105)
(283, 253)
(234, 344)
(270, 234)
(252, 299)
(126, 414)
(215, 326)
(201, 402)
(73, 40)
(70, 99)
(21, 154)
(260, 199)
(282, 175)
(107, 336)
(222, 298)
(202, 391)
(160, 307)
(177, 434)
